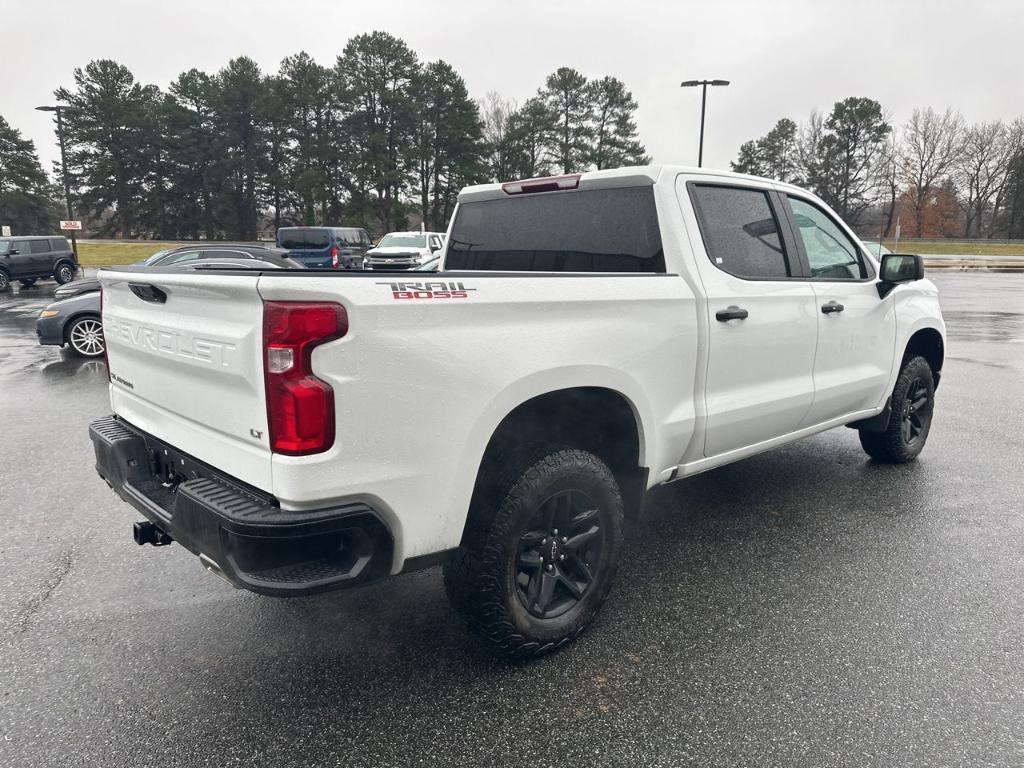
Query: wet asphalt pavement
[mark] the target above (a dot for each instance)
(804, 607)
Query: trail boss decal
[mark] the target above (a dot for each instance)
(428, 290)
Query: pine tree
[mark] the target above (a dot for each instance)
(614, 134)
(110, 131)
(570, 104)
(26, 196)
(376, 72)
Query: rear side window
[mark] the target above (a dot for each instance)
(601, 230)
(300, 237)
(59, 244)
(40, 246)
(740, 231)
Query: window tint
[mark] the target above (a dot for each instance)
(831, 254)
(601, 230)
(740, 231)
(349, 238)
(59, 244)
(302, 237)
(40, 246)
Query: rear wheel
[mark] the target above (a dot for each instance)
(28, 282)
(910, 417)
(5, 280)
(538, 561)
(85, 337)
(64, 273)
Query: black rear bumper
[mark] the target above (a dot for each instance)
(238, 531)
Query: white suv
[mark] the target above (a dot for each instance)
(403, 250)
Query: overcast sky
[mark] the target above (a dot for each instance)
(784, 57)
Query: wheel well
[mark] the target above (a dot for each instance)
(74, 319)
(928, 344)
(593, 419)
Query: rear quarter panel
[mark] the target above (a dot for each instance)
(421, 384)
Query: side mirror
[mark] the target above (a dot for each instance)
(899, 268)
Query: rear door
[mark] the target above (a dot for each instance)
(762, 316)
(856, 329)
(186, 364)
(42, 256)
(19, 259)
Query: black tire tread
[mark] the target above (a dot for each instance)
(888, 446)
(473, 578)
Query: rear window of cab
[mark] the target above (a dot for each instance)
(601, 230)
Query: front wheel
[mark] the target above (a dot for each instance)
(539, 559)
(5, 281)
(910, 416)
(64, 273)
(85, 337)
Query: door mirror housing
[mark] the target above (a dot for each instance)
(898, 268)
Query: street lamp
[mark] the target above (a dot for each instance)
(64, 169)
(703, 102)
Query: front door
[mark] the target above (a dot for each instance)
(20, 264)
(762, 316)
(856, 329)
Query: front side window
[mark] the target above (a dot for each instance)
(21, 246)
(349, 238)
(831, 254)
(741, 233)
(600, 230)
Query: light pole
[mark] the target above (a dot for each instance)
(703, 103)
(64, 169)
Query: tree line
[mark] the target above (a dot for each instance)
(935, 176)
(375, 140)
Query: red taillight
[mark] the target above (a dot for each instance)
(300, 407)
(334, 256)
(546, 184)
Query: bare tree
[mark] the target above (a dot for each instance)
(496, 112)
(1013, 141)
(930, 152)
(982, 172)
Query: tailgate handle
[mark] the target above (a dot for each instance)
(148, 292)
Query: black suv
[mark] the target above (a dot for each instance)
(28, 259)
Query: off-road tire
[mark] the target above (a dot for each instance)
(483, 581)
(5, 281)
(64, 273)
(909, 416)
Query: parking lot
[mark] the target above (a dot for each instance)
(803, 607)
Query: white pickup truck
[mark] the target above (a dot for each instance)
(589, 337)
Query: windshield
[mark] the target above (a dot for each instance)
(403, 240)
(5, 246)
(154, 258)
(302, 237)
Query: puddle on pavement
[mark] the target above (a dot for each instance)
(965, 325)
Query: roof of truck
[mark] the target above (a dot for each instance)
(630, 176)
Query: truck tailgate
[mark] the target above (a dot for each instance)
(186, 364)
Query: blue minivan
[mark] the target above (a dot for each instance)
(325, 247)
